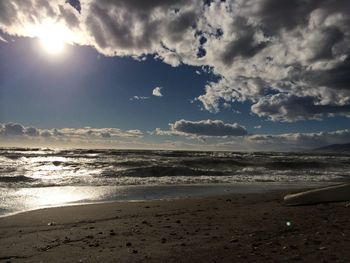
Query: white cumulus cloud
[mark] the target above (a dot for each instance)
(157, 92)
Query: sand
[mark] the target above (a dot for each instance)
(231, 228)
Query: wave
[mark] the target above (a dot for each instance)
(214, 162)
(161, 171)
(297, 164)
(13, 156)
(16, 179)
(95, 167)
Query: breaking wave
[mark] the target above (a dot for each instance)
(48, 167)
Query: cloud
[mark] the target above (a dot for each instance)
(297, 58)
(289, 108)
(298, 141)
(31, 131)
(233, 137)
(204, 135)
(3, 39)
(105, 135)
(12, 129)
(204, 128)
(46, 134)
(139, 98)
(156, 92)
(15, 130)
(295, 50)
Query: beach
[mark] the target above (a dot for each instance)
(250, 227)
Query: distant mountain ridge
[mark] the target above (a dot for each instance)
(334, 148)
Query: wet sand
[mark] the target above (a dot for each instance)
(230, 228)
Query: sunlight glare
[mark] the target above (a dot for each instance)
(52, 37)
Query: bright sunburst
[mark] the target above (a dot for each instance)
(53, 37)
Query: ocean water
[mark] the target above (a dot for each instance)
(34, 178)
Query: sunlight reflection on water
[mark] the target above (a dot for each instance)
(23, 199)
(14, 200)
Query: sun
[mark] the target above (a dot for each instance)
(52, 44)
(52, 37)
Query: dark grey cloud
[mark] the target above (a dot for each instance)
(298, 140)
(7, 10)
(337, 78)
(284, 107)
(16, 129)
(179, 25)
(284, 14)
(244, 44)
(12, 129)
(327, 39)
(9, 130)
(106, 135)
(31, 131)
(136, 27)
(204, 128)
(69, 16)
(46, 134)
(57, 133)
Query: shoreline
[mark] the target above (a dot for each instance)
(231, 227)
(31, 199)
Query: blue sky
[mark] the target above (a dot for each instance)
(93, 84)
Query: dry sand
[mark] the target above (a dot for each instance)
(231, 228)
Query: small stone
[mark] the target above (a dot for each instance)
(134, 251)
(128, 244)
(163, 240)
(317, 242)
(234, 240)
(293, 247)
(297, 257)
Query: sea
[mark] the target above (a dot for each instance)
(41, 177)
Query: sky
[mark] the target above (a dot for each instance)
(202, 75)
